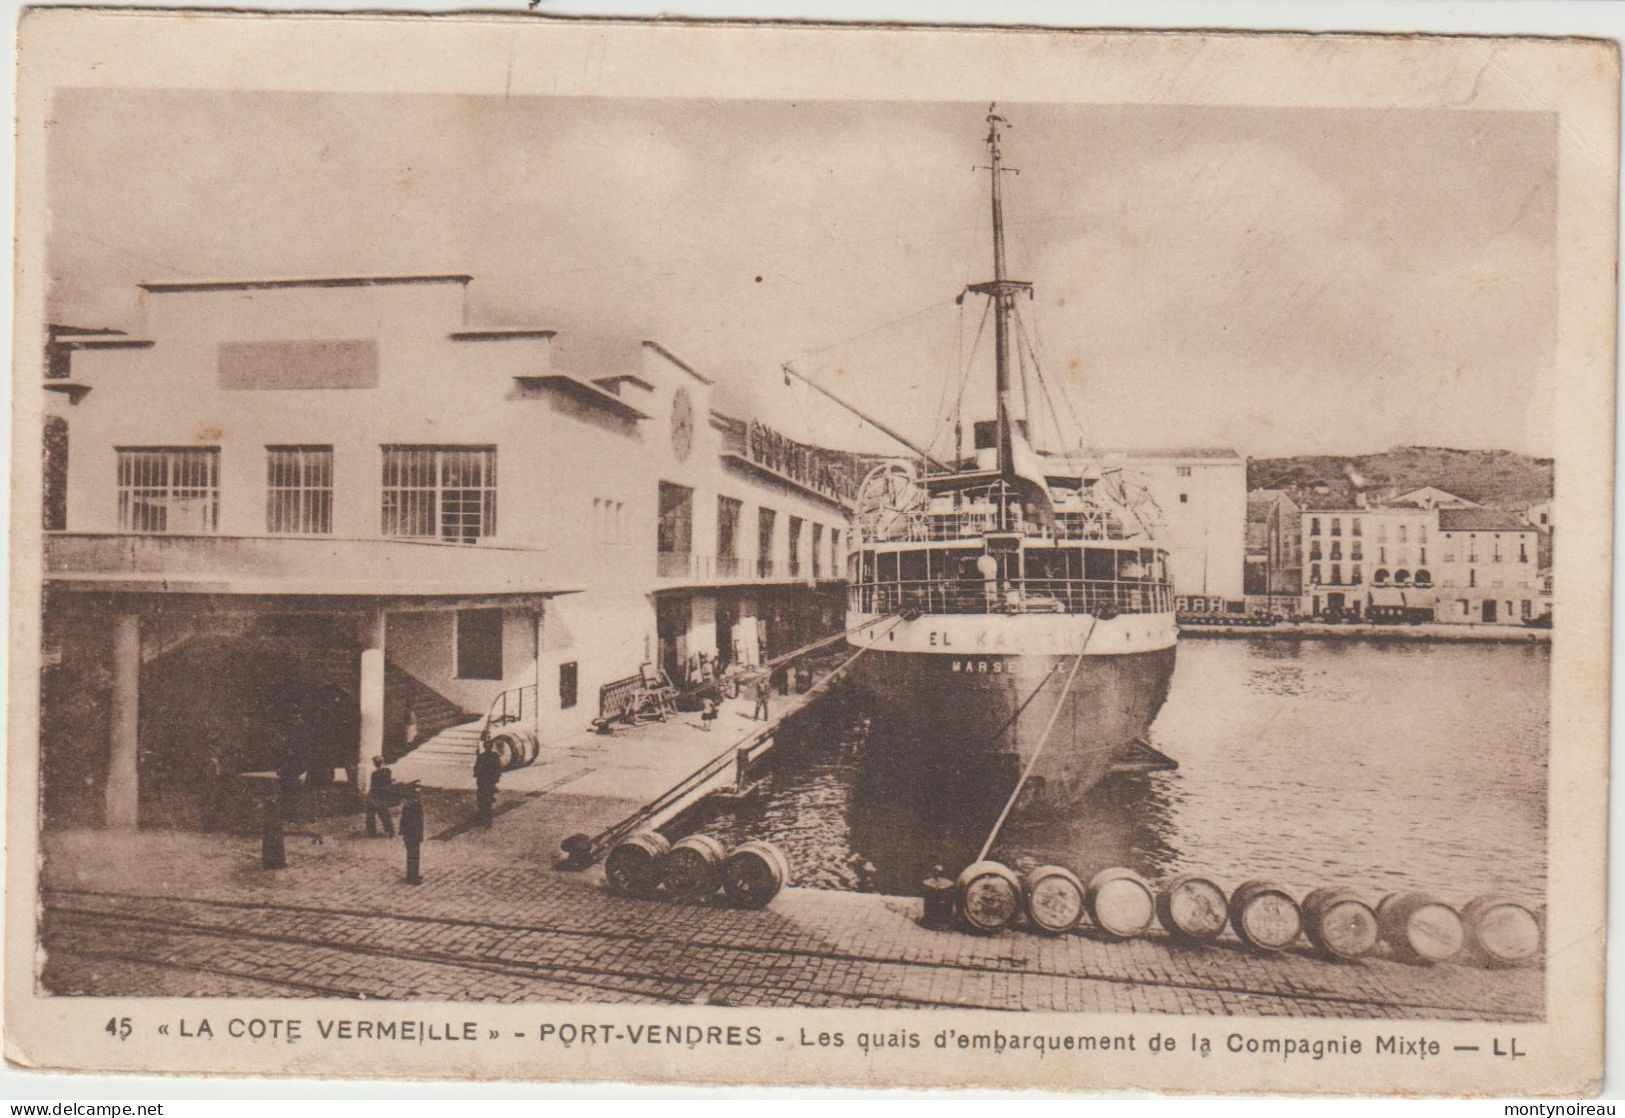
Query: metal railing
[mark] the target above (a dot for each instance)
(732, 568)
(1032, 595)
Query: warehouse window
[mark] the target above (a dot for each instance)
(764, 541)
(56, 473)
(299, 490)
(479, 644)
(1182, 471)
(567, 685)
(449, 492)
(169, 489)
(795, 546)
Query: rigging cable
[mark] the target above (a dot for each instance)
(970, 358)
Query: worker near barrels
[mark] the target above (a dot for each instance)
(412, 835)
(487, 773)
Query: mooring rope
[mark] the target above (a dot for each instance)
(1043, 740)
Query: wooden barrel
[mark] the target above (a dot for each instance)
(1192, 908)
(517, 748)
(1420, 928)
(1054, 899)
(1265, 916)
(753, 873)
(693, 866)
(1339, 923)
(1120, 902)
(1500, 931)
(989, 896)
(633, 867)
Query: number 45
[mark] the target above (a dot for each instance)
(118, 1027)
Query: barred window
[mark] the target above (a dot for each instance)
(299, 490)
(449, 492)
(169, 489)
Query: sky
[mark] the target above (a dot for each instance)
(1278, 281)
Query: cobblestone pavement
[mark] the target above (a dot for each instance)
(338, 923)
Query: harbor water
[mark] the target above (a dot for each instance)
(1375, 765)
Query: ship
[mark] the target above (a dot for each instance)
(1014, 609)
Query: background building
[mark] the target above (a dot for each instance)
(1273, 579)
(1202, 493)
(1448, 557)
(1490, 570)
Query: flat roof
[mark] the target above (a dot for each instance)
(585, 392)
(170, 286)
(1482, 520)
(501, 334)
(678, 361)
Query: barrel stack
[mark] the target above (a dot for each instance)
(753, 873)
(1500, 931)
(1265, 916)
(693, 867)
(1120, 902)
(1192, 909)
(516, 748)
(1055, 899)
(989, 896)
(1340, 924)
(636, 864)
(1419, 928)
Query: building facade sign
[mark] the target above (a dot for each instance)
(798, 463)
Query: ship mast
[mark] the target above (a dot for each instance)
(1002, 290)
(1001, 297)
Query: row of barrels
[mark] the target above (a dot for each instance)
(645, 865)
(1339, 923)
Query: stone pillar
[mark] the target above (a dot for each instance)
(371, 742)
(123, 783)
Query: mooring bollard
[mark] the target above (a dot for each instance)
(938, 892)
(575, 853)
(272, 854)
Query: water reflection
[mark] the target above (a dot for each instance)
(1379, 766)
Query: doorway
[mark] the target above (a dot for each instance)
(727, 619)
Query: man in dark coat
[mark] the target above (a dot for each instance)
(487, 772)
(380, 794)
(764, 689)
(412, 835)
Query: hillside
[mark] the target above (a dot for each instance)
(1497, 478)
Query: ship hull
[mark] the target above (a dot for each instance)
(975, 718)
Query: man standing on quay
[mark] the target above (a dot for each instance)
(412, 835)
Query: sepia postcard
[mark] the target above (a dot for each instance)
(720, 553)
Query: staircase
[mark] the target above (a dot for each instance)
(435, 713)
(445, 760)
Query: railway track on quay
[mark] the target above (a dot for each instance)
(316, 950)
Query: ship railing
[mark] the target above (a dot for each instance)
(943, 526)
(1017, 596)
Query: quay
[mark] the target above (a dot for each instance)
(188, 915)
(637, 777)
(498, 918)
